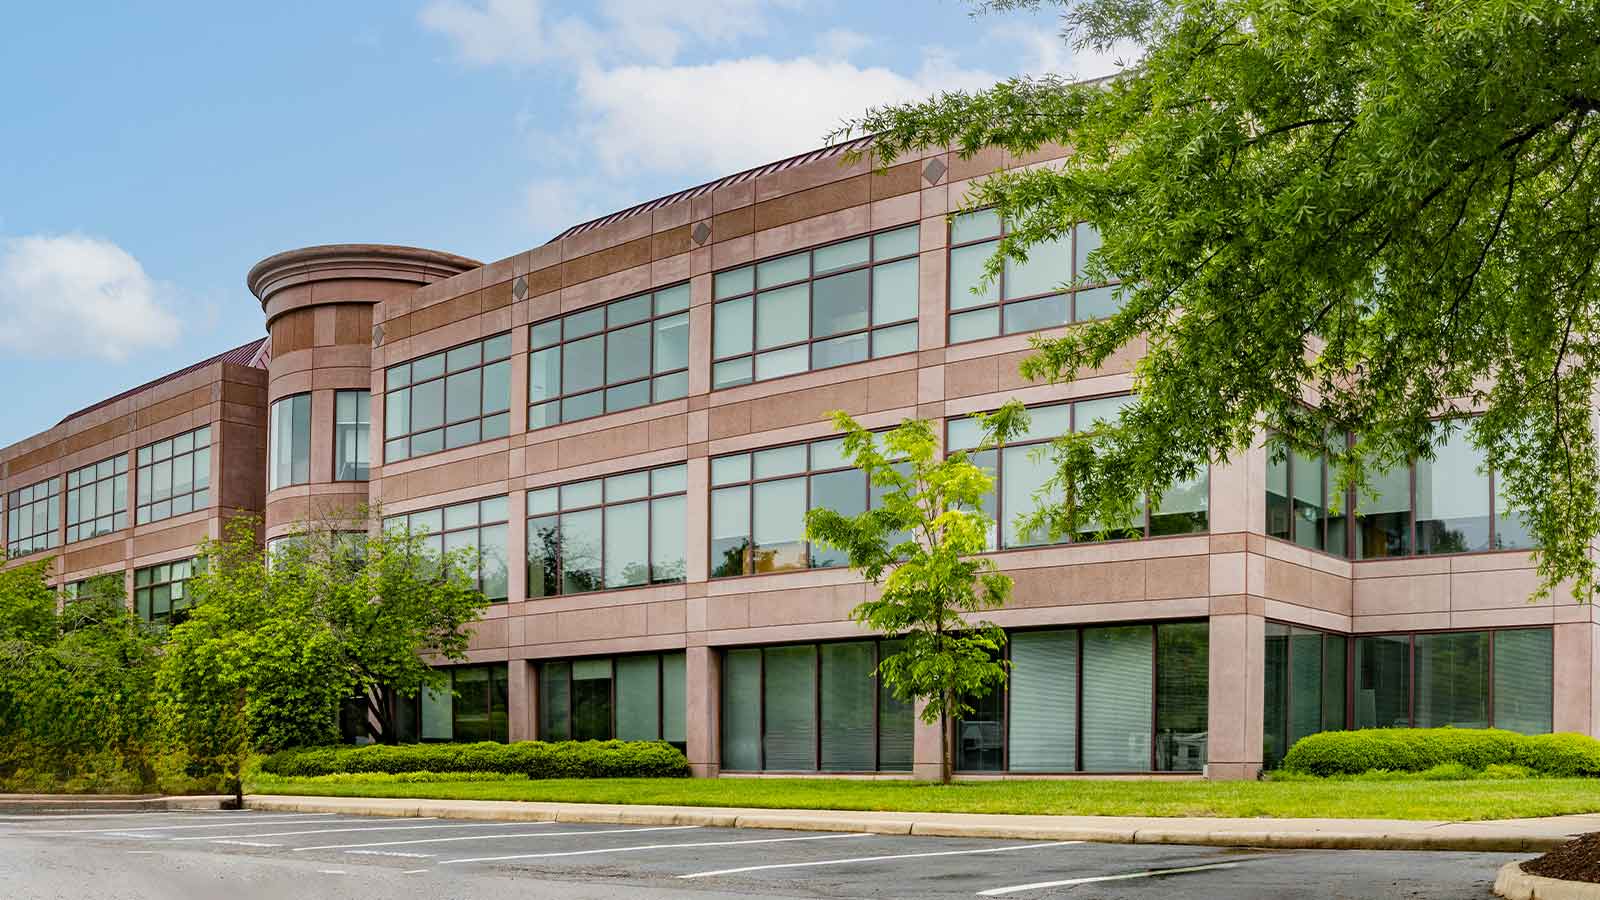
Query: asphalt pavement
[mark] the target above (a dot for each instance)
(218, 855)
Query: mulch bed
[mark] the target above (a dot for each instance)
(1576, 860)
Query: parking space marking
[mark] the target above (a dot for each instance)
(866, 859)
(233, 824)
(638, 847)
(152, 814)
(341, 830)
(1094, 879)
(391, 853)
(489, 837)
(247, 843)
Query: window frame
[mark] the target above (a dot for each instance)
(749, 484)
(478, 525)
(445, 424)
(1351, 673)
(1155, 700)
(1347, 714)
(660, 656)
(196, 564)
(119, 469)
(357, 426)
(275, 449)
(606, 386)
(416, 704)
(810, 340)
(648, 499)
(1000, 521)
(1070, 292)
(143, 470)
(53, 502)
(816, 707)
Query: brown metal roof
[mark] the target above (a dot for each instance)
(708, 187)
(254, 355)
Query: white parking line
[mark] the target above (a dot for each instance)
(413, 871)
(153, 814)
(865, 859)
(234, 824)
(339, 830)
(490, 837)
(247, 843)
(637, 847)
(1148, 873)
(391, 853)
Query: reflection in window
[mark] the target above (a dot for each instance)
(1048, 291)
(1022, 467)
(1304, 689)
(471, 707)
(352, 428)
(97, 499)
(759, 502)
(1125, 698)
(289, 442)
(478, 525)
(613, 532)
(174, 476)
(1463, 679)
(629, 698)
(161, 592)
(450, 399)
(812, 707)
(608, 358)
(33, 515)
(1301, 501)
(835, 305)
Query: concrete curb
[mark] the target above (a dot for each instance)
(34, 804)
(1515, 884)
(1201, 832)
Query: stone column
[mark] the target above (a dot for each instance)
(926, 747)
(1574, 703)
(704, 714)
(522, 700)
(1237, 677)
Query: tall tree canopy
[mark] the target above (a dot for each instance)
(1330, 216)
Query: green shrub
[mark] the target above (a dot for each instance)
(1563, 755)
(406, 777)
(1400, 750)
(1443, 754)
(534, 759)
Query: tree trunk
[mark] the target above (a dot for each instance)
(946, 740)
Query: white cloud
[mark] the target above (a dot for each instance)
(732, 114)
(497, 31)
(71, 295)
(841, 43)
(1048, 52)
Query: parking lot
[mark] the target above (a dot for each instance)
(244, 855)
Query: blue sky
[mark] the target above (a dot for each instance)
(156, 151)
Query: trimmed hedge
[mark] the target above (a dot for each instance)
(1420, 749)
(535, 759)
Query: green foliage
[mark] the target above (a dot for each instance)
(1422, 750)
(534, 759)
(923, 543)
(76, 688)
(1326, 216)
(272, 647)
(263, 781)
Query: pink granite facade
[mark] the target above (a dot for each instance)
(340, 317)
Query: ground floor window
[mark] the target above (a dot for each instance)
(812, 708)
(1304, 690)
(471, 707)
(1461, 679)
(629, 698)
(1124, 698)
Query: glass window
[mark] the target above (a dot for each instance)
(613, 532)
(1044, 700)
(97, 499)
(1023, 467)
(1117, 689)
(478, 526)
(1305, 687)
(289, 442)
(174, 476)
(1453, 497)
(812, 707)
(1463, 679)
(471, 708)
(1452, 680)
(1524, 674)
(33, 517)
(1382, 691)
(605, 359)
(1383, 518)
(1183, 672)
(352, 428)
(1050, 289)
(759, 502)
(450, 399)
(161, 592)
(831, 306)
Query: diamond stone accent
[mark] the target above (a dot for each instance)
(700, 232)
(519, 288)
(934, 170)
(377, 335)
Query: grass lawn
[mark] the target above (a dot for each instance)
(1448, 800)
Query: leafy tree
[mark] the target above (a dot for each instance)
(76, 684)
(274, 644)
(922, 542)
(1326, 216)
